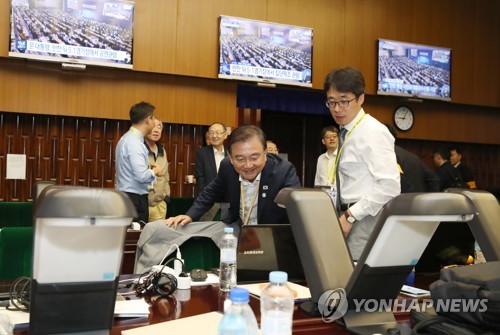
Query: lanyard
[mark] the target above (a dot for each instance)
(337, 158)
(330, 170)
(136, 132)
(252, 204)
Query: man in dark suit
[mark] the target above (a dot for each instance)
(207, 163)
(248, 181)
(247, 168)
(415, 175)
(448, 175)
(465, 171)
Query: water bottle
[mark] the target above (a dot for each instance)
(478, 254)
(227, 275)
(238, 317)
(276, 306)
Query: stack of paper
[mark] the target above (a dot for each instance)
(135, 308)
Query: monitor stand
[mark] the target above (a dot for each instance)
(310, 308)
(368, 323)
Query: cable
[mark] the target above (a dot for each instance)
(158, 281)
(19, 294)
(168, 253)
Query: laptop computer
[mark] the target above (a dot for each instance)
(266, 248)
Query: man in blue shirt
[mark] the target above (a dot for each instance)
(134, 176)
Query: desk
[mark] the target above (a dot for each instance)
(204, 299)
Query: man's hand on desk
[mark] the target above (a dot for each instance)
(178, 220)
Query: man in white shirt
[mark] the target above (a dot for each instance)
(368, 175)
(325, 168)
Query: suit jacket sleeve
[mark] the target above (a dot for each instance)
(220, 189)
(432, 182)
(277, 174)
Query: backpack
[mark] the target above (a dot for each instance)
(471, 285)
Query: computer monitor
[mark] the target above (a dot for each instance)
(400, 235)
(322, 247)
(264, 248)
(77, 255)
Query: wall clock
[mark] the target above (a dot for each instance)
(403, 118)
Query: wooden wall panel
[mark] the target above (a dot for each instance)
(81, 151)
(484, 160)
(436, 120)
(109, 93)
(180, 37)
(155, 36)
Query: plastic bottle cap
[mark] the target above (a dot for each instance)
(228, 230)
(278, 277)
(238, 294)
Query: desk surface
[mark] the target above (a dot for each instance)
(204, 299)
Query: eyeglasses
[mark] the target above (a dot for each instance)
(331, 137)
(240, 160)
(342, 103)
(218, 133)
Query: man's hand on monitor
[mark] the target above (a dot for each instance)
(178, 220)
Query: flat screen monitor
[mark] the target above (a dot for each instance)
(265, 248)
(262, 51)
(90, 32)
(414, 70)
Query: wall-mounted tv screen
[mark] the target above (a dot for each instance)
(414, 70)
(91, 32)
(265, 52)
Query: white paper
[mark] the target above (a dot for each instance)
(300, 292)
(16, 166)
(205, 324)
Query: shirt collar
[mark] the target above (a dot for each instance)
(217, 152)
(247, 183)
(351, 124)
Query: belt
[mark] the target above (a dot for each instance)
(344, 207)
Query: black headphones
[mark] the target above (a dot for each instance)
(158, 282)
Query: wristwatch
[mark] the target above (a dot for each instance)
(349, 217)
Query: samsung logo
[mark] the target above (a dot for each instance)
(253, 252)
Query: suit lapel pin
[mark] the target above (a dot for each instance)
(263, 195)
(265, 187)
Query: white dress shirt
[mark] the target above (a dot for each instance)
(325, 170)
(219, 156)
(251, 192)
(368, 170)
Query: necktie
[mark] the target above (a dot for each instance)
(343, 131)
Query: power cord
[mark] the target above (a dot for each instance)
(158, 281)
(19, 294)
